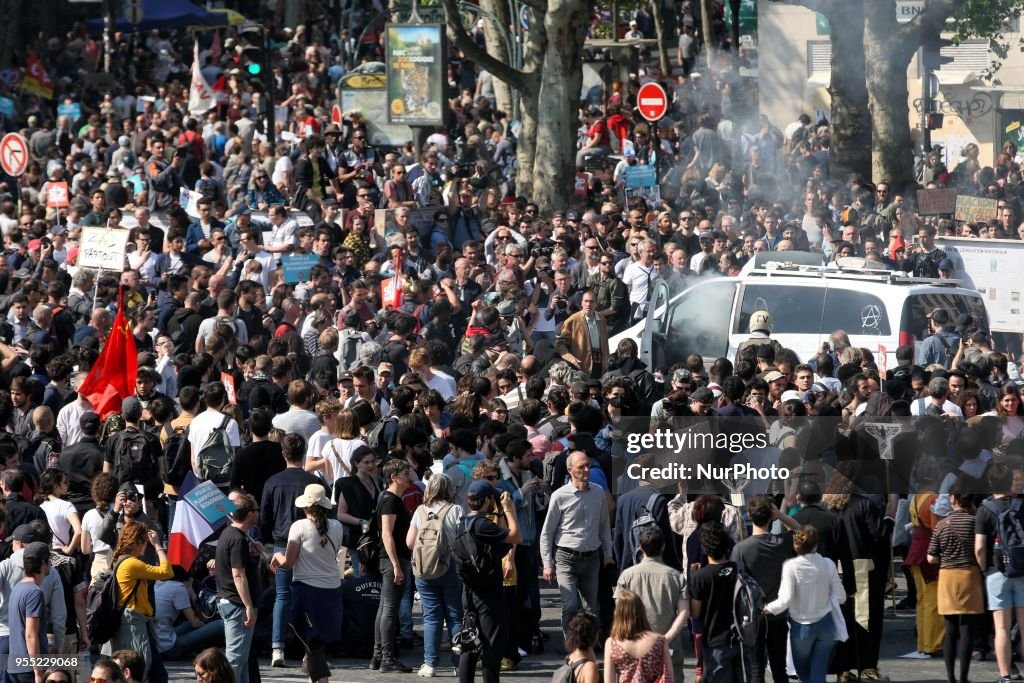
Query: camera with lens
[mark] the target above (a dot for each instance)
(463, 170)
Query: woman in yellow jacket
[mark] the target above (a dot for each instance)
(137, 631)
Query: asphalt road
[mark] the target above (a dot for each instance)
(898, 640)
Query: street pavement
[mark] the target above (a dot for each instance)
(898, 640)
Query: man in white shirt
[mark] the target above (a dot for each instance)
(284, 234)
(199, 430)
(937, 401)
(419, 362)
(638, 277)
(69, 417)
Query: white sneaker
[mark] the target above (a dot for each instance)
(277, 658)
(426, 671)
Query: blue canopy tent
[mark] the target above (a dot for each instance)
(165, 14)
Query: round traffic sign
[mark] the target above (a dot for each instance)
(14, 154)
(652, 101)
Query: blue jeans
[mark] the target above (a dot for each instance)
(724, 664)
(191, 641)
(441, 600)
(237, 639)
(812, 646)
(536, 336)
(282, 603)
(405, 609)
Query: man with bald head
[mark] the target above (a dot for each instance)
(44, 439)
(576, 539)
(99, 326)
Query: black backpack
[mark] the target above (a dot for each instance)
(567, 672)
(1009, 557)
(474, 562)
(177, 451)
(102, 608)
(377, 437)
(370, 545)
(748, 603)
(644, 521)
(133, 459)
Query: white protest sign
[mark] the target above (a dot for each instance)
(102, 248)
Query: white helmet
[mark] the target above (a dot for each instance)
(760, 321)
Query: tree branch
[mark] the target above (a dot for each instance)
(930, 21)
(465, 42)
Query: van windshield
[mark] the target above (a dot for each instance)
(917, 307)
(814, 310)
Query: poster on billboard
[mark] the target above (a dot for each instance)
(415, 58)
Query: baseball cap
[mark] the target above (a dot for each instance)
(25, 533)
(386, 367)
(34, 244)
(629, 152)
(682, 376)
(792, 395)
(42, 337)
(706, 236)
(702, 395)
(940, 316)
(572, 216)
(482, 489)
(506, 308)
(131, 408)
(772, 375)
(35, 555)
(819, 388)
(243, 210)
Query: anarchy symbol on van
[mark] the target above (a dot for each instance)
(870, 317)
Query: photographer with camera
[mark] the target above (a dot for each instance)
(127, 508)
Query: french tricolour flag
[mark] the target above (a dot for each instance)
(192, 519)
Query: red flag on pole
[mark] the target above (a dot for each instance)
(112, 378)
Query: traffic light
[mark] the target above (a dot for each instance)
(934, 121)
(250, 49)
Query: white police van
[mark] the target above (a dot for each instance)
(808, 301)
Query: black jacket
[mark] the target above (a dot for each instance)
(82, 462)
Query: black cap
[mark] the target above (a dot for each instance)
(89, 422)
(905, 354)
(25, 533)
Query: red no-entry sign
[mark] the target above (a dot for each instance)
(652, 101)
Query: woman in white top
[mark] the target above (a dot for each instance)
(60, 514)
(312, 555)
(334, 461)
(104, 490)
(810, 586)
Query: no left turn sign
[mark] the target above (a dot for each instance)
(14, 154)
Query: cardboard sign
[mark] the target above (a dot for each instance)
(581, 184)
(974, 209)
(296, 267)
(102, 248)
(210, 502)
(935, 202)
(56, 195)
(188, 198)
(640, 175)
(421, 219)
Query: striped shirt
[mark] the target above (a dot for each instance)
(953, 541)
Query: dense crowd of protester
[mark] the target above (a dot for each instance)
(465, 441)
